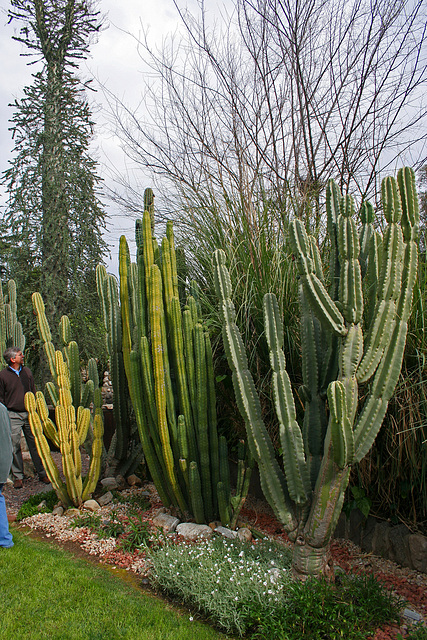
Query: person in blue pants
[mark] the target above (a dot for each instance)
(5, 462)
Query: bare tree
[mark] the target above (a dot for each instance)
(281, 96)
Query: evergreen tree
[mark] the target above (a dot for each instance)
(54, 219)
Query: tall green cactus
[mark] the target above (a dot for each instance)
(125, 452)
(168, 361)
(71, 400)
(11, 334)
(345, 343)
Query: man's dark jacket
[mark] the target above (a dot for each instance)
(13, 388)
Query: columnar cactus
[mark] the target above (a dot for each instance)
(125, 452)
(69, 434)
(345, 343)
(11, 334)
(168, 361)
(73, 419)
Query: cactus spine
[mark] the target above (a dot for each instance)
(71, 400)
(344, 343)
(168, 361)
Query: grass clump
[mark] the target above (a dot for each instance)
(30, 507)
(353, 608)
(248, 589)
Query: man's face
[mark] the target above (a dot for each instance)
(18, 360)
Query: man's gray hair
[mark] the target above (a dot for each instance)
(10, 353)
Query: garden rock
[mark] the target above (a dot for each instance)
(244, 534)
(121, 482)
(192, 531)
(105, 499)
(110, 483)
(42, 505)
(91, 505)
(166, 522)
(134, 481)
(58, 511)
(226, 533)
(72, 512)
(418, 549)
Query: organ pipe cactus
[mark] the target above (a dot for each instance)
(68, 433)
(73, 420)
(353, 334)
(11, 334)
(168, 361)
(81, 394)
(125, 452)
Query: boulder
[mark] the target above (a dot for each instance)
(192, 531)
(165, 522)
(106, 498)
(91, 505)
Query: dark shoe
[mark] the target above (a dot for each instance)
(45, 480)
(18, 484)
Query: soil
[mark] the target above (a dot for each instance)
(407, 584)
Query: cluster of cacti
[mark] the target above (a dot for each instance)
(168, 362)
(125, 451)
(73, 419)
(352, 334)
(11, 334)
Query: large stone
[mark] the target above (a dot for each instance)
(106, 498)
(380, 540)
(110, 483)
(192, 531)
(58, 511)
(226, 533)
(91, 505)
(399, 545)
(244, 534)
(134, 481)
(418, 550)
(166, 522)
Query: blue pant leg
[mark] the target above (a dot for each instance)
(5, 535)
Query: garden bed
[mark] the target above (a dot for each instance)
(408, 584)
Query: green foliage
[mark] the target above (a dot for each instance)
(29, 507)
(137, 534)
(317, 610)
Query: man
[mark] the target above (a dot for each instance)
(15, 381)
(5, 460)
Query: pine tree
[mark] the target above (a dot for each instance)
(54, 219)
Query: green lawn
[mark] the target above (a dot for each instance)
(47, 593)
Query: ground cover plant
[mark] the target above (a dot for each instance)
(248, 589)
(51, 594)
(31, 506)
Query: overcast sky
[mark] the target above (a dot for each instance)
(114, 61)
